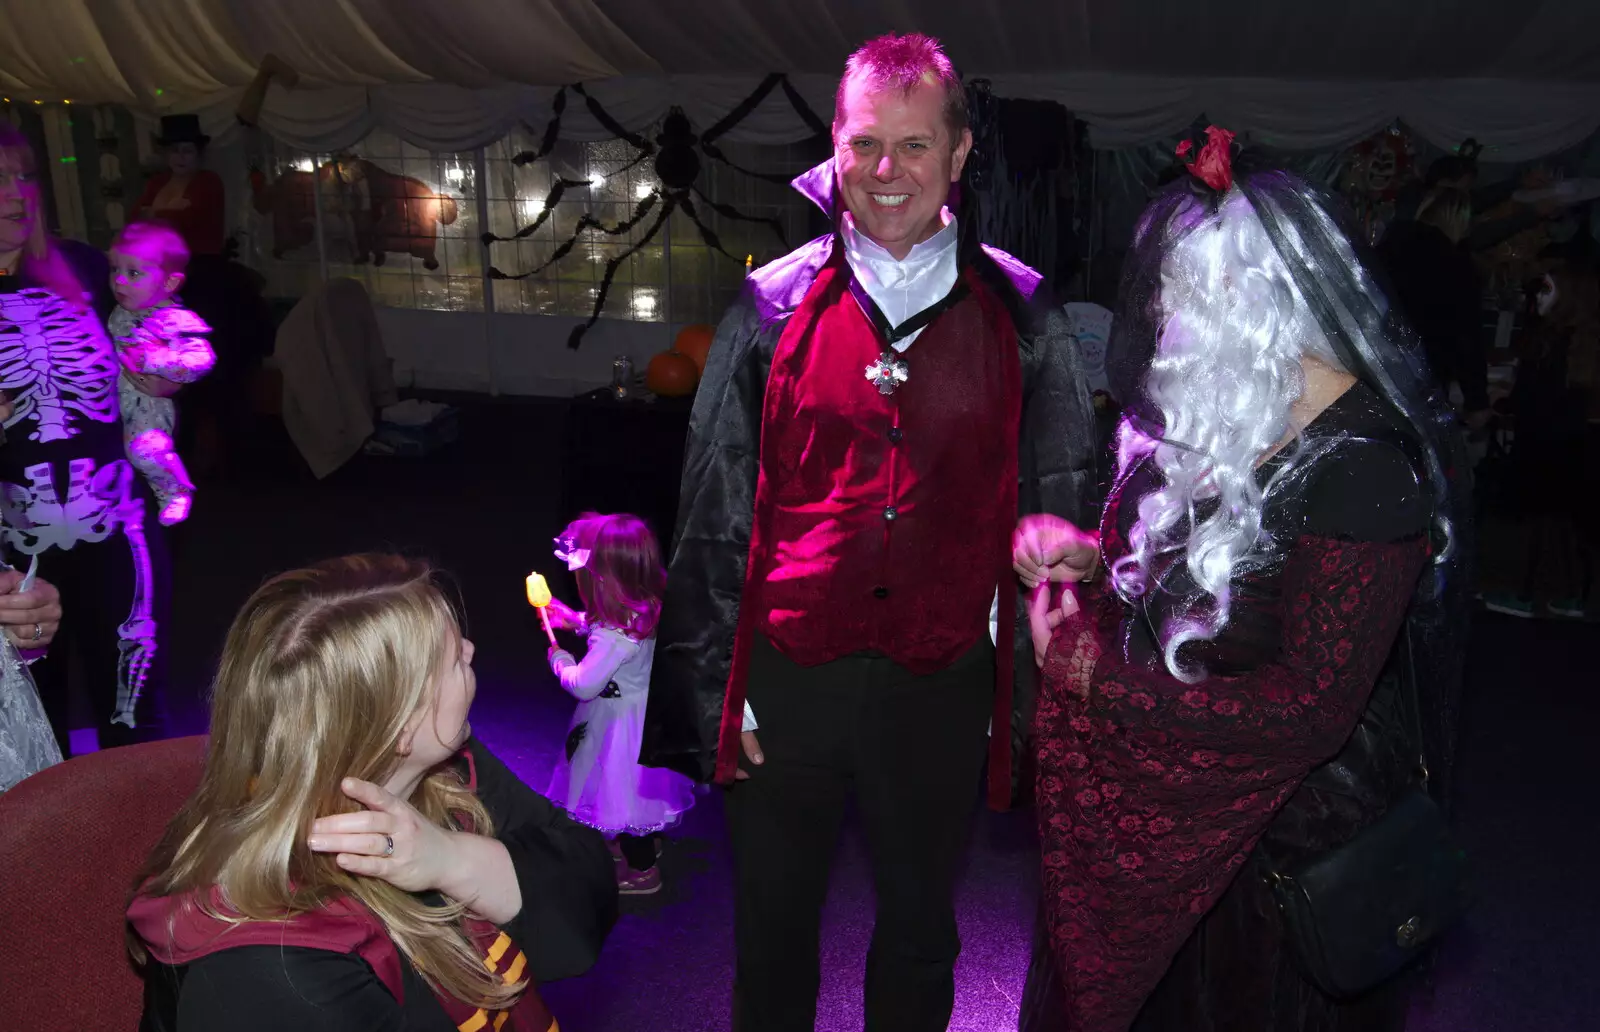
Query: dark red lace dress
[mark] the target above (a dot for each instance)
(1154, 794)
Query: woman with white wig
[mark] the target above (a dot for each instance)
(1248, 667)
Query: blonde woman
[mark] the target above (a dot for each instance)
(353, 858)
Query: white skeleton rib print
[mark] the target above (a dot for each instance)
(100, 502)
(56, 364)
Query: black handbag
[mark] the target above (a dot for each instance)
(1357, 914)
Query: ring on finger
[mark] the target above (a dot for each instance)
(38, 632)
(388, 845)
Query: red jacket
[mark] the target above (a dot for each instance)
(203, 222)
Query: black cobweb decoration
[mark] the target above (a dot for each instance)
(676, 151)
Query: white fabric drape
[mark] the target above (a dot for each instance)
(1522, 78)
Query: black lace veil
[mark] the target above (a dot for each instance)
(1309, 228)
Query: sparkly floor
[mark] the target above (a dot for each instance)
(1524, 959)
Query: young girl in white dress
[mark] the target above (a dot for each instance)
(617, 564)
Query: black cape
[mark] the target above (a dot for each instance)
(711, 547)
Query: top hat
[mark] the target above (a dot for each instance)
(181, 129)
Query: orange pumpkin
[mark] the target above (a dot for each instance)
(671, 375)
(695, 341)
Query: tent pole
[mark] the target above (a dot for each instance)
(480, 179)
(316, 210)
(666, 266)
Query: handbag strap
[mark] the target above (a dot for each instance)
(1410, 700)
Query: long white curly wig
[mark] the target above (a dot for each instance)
(1224, 378)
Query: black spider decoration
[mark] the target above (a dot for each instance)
(677, 153)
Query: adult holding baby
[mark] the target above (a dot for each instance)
(67, 492)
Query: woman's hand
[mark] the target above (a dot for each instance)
(8, 408)
(1044, 617)
(30, 618)
(392, 841)
(388, 840)
(1049, 548)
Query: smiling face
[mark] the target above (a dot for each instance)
(138, 280)
(19, 200)
(896, 158)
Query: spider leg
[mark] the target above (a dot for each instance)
(708, 139)
(561, 186)
(585, 223)
(728, 211)
(552, 130)
(615, 263)
(707, 234)
(612, 126)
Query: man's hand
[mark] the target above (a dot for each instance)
(752, 752)
(30, 618)
(1049, 548)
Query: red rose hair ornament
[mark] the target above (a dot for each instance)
(1214, 166)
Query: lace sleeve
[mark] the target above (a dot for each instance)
(1152, 792)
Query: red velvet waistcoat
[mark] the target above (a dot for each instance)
(883, 522)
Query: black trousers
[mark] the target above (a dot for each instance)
(97, 585)
(910, 749)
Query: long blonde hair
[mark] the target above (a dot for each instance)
(321, 671)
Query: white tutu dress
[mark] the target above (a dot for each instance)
(600, 782)
(27, 745)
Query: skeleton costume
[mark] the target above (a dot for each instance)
(67, 494)
(163, 341)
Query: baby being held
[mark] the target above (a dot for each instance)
(160, 348)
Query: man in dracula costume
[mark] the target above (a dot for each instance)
(877, 409)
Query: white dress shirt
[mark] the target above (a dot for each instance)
(901, 288)
(904, 287)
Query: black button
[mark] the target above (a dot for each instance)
(895, 435)
(880, 592)
(890, 513)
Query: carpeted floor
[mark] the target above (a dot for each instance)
(486, 510)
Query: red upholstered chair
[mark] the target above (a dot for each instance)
(72, 839)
